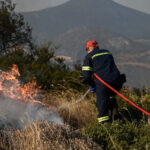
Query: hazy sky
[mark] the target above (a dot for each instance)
(142, 5)
(30, 5)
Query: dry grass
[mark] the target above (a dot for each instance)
(78, 115)
(43, 136)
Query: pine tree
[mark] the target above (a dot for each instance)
(14, 32)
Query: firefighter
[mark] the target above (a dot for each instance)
(102, 63)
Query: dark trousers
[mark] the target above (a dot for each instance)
(103, 93)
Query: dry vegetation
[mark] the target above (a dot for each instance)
(78, 115)
(80, 124)
(43, 136)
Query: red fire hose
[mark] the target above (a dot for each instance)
(102, 81)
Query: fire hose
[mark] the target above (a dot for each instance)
(110, 87)
(76, 102)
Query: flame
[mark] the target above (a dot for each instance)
(20, 103)
(10, 86)
(15, 70)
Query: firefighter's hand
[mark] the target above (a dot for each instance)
(92, 89)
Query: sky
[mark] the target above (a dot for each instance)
(141, 5)
(31, 5)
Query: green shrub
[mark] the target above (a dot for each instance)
(49, 71)
(119, 135)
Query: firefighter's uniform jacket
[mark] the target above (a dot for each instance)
(102, 63)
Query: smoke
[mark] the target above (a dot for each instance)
(19, 113)
(19, 105)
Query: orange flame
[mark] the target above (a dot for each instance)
(15, 69)
(10, 87)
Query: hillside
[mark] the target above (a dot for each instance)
(122, 30)
(102, 13)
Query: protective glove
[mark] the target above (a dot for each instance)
(92, 89)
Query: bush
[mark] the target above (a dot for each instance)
(49, 71)
(119, 135)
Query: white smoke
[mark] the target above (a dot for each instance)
(14, 113)
(18, 103)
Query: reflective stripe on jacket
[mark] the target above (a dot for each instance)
(102, 63)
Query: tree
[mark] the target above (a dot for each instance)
(49, 71)
(14, 32)
(39, 62)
